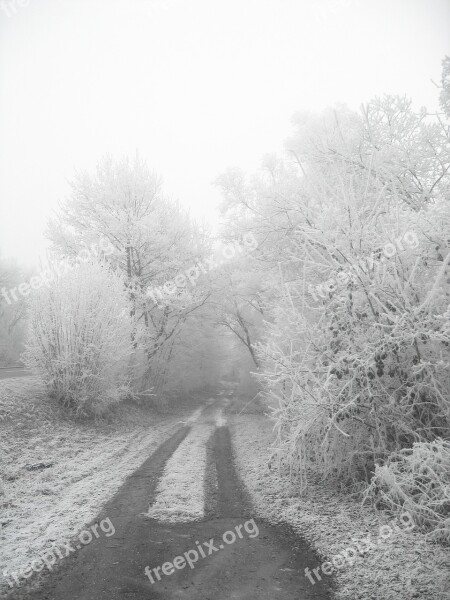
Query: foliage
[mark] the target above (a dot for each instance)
(154, 241)
(417, 480)
(80, 338)
(12, 315)
(362, 370)
(352, 226)
(445, 87)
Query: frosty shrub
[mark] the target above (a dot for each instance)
(353, 230)
(362, 369)
(355, 236)
(417, 479)
(80, 338)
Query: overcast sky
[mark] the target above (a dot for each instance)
(194, 85)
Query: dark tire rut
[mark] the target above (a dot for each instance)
(266, 563)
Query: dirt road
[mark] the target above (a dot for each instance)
(262, 562)
(10, 372)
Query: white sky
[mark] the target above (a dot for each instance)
(194, 85)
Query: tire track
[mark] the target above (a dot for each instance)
(267, 567)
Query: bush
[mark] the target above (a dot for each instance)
(363, 371)
(417, 480)
(80, 338)
(357, 351)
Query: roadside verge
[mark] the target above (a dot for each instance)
(399, 566)
(56, 473)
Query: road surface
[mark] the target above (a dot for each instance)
(8, 372)
(266, 566)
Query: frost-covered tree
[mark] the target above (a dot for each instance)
(154, 242)
(12, 314)
(352, 237)
(444, 97)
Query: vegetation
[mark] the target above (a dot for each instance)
(337, 311)
(80, 339)
(353, 258)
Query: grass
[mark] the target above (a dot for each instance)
(90, 462)
(181, 494)
(406, 567)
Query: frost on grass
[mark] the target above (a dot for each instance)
(417, 479)
(181, 491)
(90, 462)
(221, 420)
(406, 567)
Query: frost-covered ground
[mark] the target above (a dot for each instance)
(180, 493)
(403, 567)
(89, 463)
